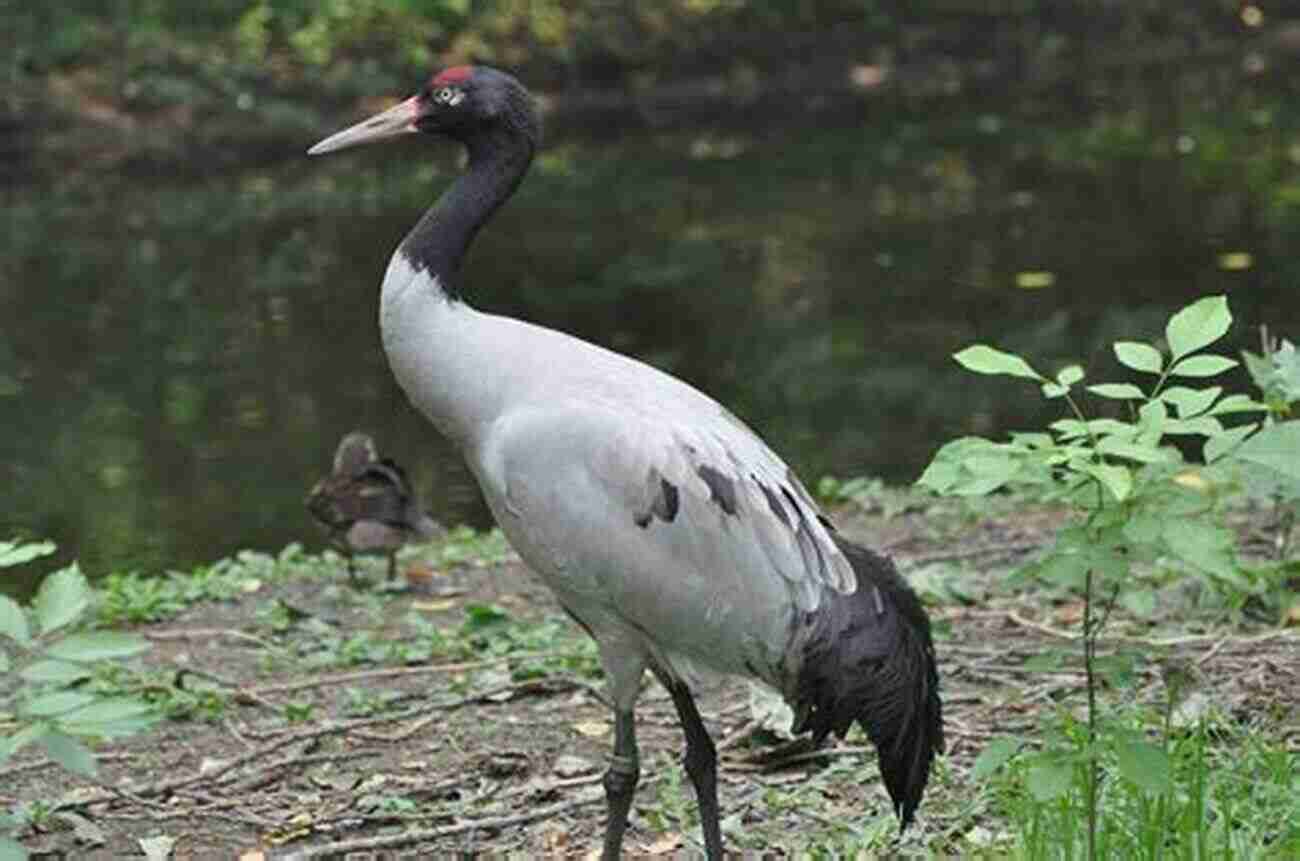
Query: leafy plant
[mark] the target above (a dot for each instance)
(1223, 792)
(1276, 372)
(869, 494)
(46, 664)
(130, 598)
(1138, 501)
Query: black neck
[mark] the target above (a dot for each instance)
(438, 242)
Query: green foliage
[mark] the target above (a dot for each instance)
(52, 704)
(364, 702)
(870, 494)
(1175, 797)
(1139, 502)
(133, 598)
(1276, 371)
(464, 546)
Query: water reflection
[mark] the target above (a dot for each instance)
(178, 359)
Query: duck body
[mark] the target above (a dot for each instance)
(366, 505)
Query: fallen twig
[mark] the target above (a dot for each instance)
(1156, 642)
(408, 838)
(393, 672)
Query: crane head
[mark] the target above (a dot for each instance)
(461, 102)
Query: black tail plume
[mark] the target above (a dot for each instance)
(868, 657)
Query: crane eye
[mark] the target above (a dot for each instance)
(450, 96)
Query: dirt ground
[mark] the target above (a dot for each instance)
(474, 756)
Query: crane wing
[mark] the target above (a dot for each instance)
(700, 494)
(757, 497)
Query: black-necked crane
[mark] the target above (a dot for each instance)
(665, 527)
(366, 504)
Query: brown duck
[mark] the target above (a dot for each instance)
(366, 504)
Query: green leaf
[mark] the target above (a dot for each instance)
(1202, 366)
(97, 645)
(109, 711)
(1132, 451)
(1063, 569)
(56, 672)
(1121, 391)
(25, 736)
(1143, 528)
(1054, 390)
(1190, 402)
(1117, 479)
(1260, 368)
(1203, 322)
(983, 359)
(1144, 764)
(1048, 779)
(992, 465)
(1032, 440)
(110, 729)
(1139, 357)
(1203, 545)
(68, 752)
(1139, 602)
(1276, 447)
(948, 469)
(1204, 425)
(1111, 427)
(479, 616)
(994, 755)
(1238, 404)
(1151, 418)
(57, 703)
(1220, 444)
(970, 466)
(63, 596)
(13, 621)
(1069, 375)
(17, 553)
(12, 850)
(1069, 428)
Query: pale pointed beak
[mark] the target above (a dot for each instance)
(397, 120)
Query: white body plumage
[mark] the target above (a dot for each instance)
(564, 436)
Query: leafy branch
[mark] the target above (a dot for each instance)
(47, 662)
(1138, 499)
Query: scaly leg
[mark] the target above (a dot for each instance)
(701, 763)
(620, 782)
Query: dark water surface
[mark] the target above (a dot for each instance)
(178, 358)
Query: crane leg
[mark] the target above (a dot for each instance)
(700, 762)
(620, 782)
(392, 566)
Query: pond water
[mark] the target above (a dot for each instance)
(179, 357)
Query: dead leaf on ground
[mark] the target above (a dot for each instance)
(592, 728)
(664, 844)
(555, 839)
(158, 847)
(1069, 614)
(434, 606)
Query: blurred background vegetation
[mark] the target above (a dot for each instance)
(802, 206)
